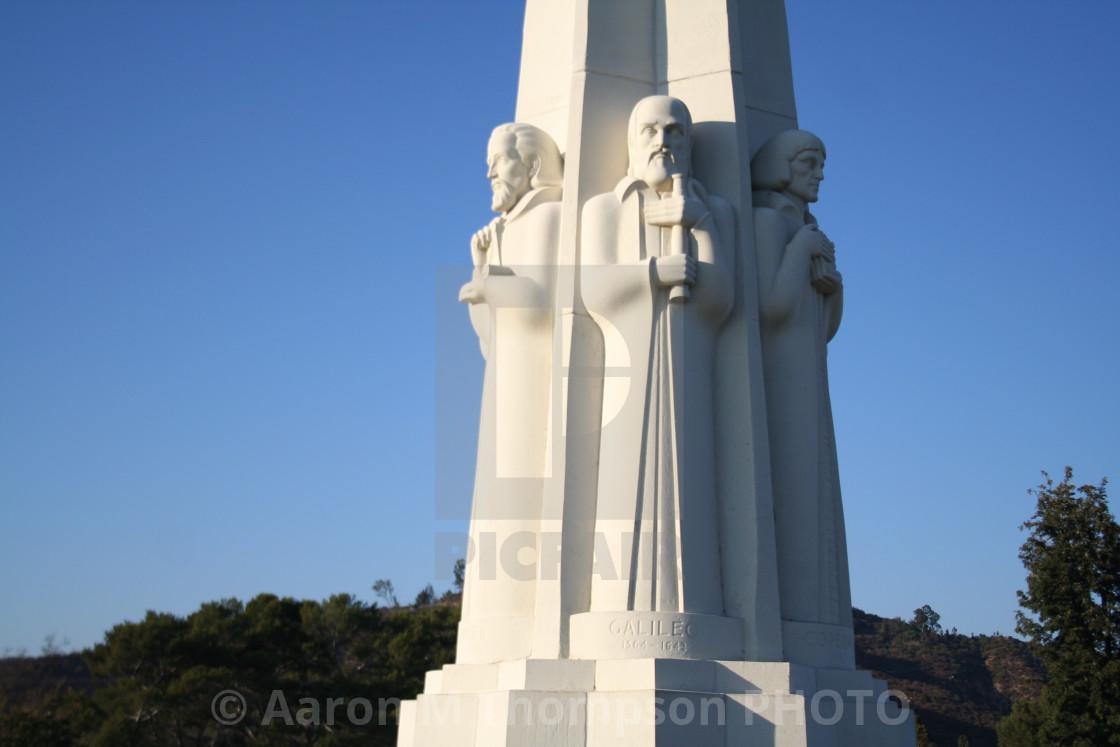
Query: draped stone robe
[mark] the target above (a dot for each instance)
(514, 323)
(656, 511)
(797, 322)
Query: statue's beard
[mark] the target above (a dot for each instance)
(659, 169)
(504, 197)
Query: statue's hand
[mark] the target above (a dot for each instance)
(813, 242)
(471, 292)
(821, 266)
(829, 282)
(482, 239)
(675, 211)
(675, 269)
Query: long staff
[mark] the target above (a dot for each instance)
(678, 244)
(670, 594)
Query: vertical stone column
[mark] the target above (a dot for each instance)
(584, 65)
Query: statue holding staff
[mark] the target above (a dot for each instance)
(656, 511)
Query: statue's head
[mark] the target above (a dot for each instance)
(660, 141)
(521, 157)
(792, 162)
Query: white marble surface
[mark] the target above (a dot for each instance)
(667, 562)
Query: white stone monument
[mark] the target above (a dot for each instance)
(658, 552)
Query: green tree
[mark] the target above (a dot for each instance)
(460, 571)
(384, 590)
(162, 675)
(1071, 617)
(1022, 728)
(921, 734)
(57, 720)
(426, 597)
(926, 620)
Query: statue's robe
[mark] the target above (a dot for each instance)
(657, 510)
(514, 323)
(797, 321)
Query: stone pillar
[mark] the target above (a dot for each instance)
(581, 89)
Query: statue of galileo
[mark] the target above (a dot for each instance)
(656, 513)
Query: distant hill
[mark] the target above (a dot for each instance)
(957, 684)
(26, 680)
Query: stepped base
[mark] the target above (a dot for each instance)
(653, 702)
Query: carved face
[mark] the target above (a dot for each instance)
(806, 173)
(659, 145)
(509, 175)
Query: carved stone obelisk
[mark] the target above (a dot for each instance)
(658, 552)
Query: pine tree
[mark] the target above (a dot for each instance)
(1071, 616)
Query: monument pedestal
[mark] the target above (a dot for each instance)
(652, 702)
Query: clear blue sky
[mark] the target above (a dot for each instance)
(230, 354)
